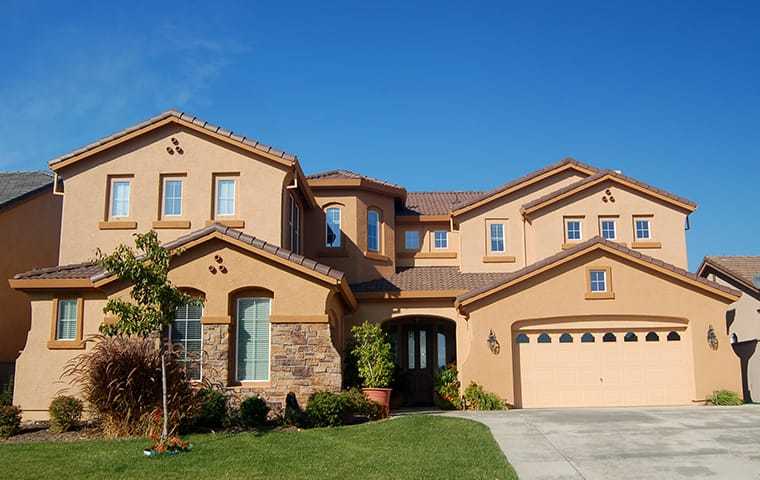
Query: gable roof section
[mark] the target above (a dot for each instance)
(434, 203)
(15, 186)
(426, 282)
(743, 269)
(524, 181)
(91, 275)
(349, 179)
(602, 176)
(596, 243)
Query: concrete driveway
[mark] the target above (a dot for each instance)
(623, 443)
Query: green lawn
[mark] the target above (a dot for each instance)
(409, 448)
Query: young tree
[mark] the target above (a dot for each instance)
(154, 298)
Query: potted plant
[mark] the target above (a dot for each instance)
(374, 362)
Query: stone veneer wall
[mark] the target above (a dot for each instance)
(303, 361)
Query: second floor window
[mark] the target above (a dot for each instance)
(598, 281)
(643, 230)
(295, 225)
(173, 198)
(66, 325)
(441, 239)
(573, 230)
(225, 197)
(120, 198)
(609, 232)
(411, 240)
(332, 227)
(373, 231)
(496, 231)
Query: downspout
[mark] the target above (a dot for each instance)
(55, 185)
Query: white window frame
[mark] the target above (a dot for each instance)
(503, 237)
(338, 240)
(58, 319)
(294, 222)
(378, 248)
(237, 340)
(636, 220)
(217, 193)
(568, 221)
(111, 207)
(602, 221)
(445, 245)
(200, 360)
(416, 233)
(604, 281)
(164, 198)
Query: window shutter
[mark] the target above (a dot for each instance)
(253, 339)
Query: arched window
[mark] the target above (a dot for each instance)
(587, 338)
(373, 230)
(332, 227)
(674, 337)
(522, 338)
(630, 337)
(565, 338)
(652, 337)
(544, 338)
(609, 337)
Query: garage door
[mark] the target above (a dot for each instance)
(604, 368)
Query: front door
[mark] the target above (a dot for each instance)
(419, 367)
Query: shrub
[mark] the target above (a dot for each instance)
(65, 413)
(476, 398)
(447, 389)
(327, 409)
(6, 394)
(725, 398)
(253, 412)
(212, 408)
(374, 359)
(120, 378)
(359, 405)
(10, 420)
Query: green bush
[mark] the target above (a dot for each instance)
(6, 394)
(359, 405)
(372, 352)
(65, 413)
(10, 420)
(212, 409)
(447, 389)
(476, 398)
(327, 409)
(725, 398)
(253, 412)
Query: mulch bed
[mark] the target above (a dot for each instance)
(38, 432)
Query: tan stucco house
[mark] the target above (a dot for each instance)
(27, 206)
(743, 316)
(565, 287)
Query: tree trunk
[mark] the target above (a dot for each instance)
(165, 430)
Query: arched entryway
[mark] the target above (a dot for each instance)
(421, 345)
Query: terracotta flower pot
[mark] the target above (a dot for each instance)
(379, 395)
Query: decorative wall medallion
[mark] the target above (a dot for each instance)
(608, 197)
(712, 338)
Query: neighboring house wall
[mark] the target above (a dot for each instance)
(546, 227)
(86, 227)
(37, 217)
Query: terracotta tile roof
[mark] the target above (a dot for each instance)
(15, 185)
(597, 176)
(340, 173)
(582, 246)
(744, 268)
(525, 178)
(188, 118)
(434, 203)
(427, 279)
(93, 272)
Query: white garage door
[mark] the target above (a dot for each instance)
(604, 368)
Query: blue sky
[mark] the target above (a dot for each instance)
(668, 92)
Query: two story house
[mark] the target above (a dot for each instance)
(565, 287)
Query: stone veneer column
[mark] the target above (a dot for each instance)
(216, 349)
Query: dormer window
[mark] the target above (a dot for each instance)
(441, 239)
(373, 230)
(332, 227)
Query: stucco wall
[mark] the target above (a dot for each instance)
(259, 190)
(423, 257)
(37, 218)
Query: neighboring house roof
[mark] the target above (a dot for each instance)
(15, 186)
(349, 179)
(447, 280)
(583, 248)
(743, 269)
(602, 176)
(434, 203)
(530, 178)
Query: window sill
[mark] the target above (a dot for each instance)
(600, 295)
(117, 225)
(646, 245)
(377, 257)
(244, 384)
(65, 345)
(231, 223)
(499, 259)
(423, 255)
(338, 252)
(171, 224)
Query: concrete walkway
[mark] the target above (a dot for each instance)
(630, 443)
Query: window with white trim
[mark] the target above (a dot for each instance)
(187, 331)
(608, 228)
(332, 227)
(225, 197)
(573, 230)
(66, 323)
(120, 198)
(172, 197)
(294, 224)
(643, 228)
(373, 230)
(441, 239)
(497, 243)
(411, 240)
(598, 281)
(253, 332)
